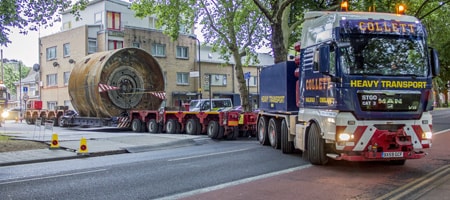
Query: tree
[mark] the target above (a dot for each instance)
(233, 28)
(11, 74)
(285, 18)
(31, 15)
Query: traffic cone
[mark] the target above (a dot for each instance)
(54, 144)
(83, 150)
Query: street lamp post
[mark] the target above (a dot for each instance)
(199, 68)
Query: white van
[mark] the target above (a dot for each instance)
(204, 104)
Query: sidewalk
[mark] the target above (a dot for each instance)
(98, 143)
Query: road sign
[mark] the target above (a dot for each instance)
(247, 75)
(26, 97)
(25, 89)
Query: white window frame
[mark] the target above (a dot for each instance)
(252, 82)
(182, 52)
(51, 105)
(52, 80)
(182, 78)
(66, 78)
(92, 45)
(218, 80)
(158, 50)
(98, 18)
(66, 49)
(51, 53)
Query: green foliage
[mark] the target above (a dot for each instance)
(12, 76)
(29, 15)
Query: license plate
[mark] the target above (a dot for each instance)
(392, 154)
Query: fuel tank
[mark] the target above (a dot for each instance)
(127, 78)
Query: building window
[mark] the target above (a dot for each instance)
(51, 80)
(182, 78)
(182, 52)
(92, 45)
(67, 103)
(136, 44)
(67, 25)
(159, 50)
(252, 81)
(98, 18)
(66, 49)
(51, 105)
(51, 53)
(113, 20)
(151, 22)
(115, 44)
(218, 79)
(66, 78)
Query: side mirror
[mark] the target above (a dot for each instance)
(324, 59)
(434, 61)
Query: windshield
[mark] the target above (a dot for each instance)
(194, 104)
(383, 55)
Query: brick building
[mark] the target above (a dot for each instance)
(110, 24)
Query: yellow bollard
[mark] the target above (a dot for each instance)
(83, 150)
(54, 144)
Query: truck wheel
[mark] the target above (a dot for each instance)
(221, 131)
(273, 131)
(262, 131)
(172, 126)
(286, 146)
(191, 127)
(316, 146)
(152, 126)
(213, 129)
(136, 125)
(28, 120)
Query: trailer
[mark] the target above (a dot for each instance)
(34, 111)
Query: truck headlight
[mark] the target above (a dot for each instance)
(5, 114)
(427, 135)
(345, 137)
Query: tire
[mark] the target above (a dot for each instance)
(262, 131)
(273, 133)
(199, 127)
(221, 131)
(234, 134)
(286, 146)
(213, 129)
(153, 126)
(191, 127)
(136, 125)
(172, 126)
(316, 146)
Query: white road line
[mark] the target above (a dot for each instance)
(440, 132)
(233, 183)
(49, 177)
(205, 155)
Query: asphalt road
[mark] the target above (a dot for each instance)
(240, 169)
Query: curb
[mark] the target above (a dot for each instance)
(419, 187)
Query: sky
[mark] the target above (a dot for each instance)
(25, 47)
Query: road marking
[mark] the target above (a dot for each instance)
(440, 132)
(54, 176)
(205, 155)
(233, 183)
(419, 186)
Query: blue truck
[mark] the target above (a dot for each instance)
(360, 89)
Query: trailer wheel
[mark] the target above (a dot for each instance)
(199, 128)
(234, 134)
(136, 125)
(273, 133)
(213, 129)
(172, 126)
(286, 146)
(28, 120)
(153, 126)
(221, 132)
(191, 127)
(262, 131)
(316, 146)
